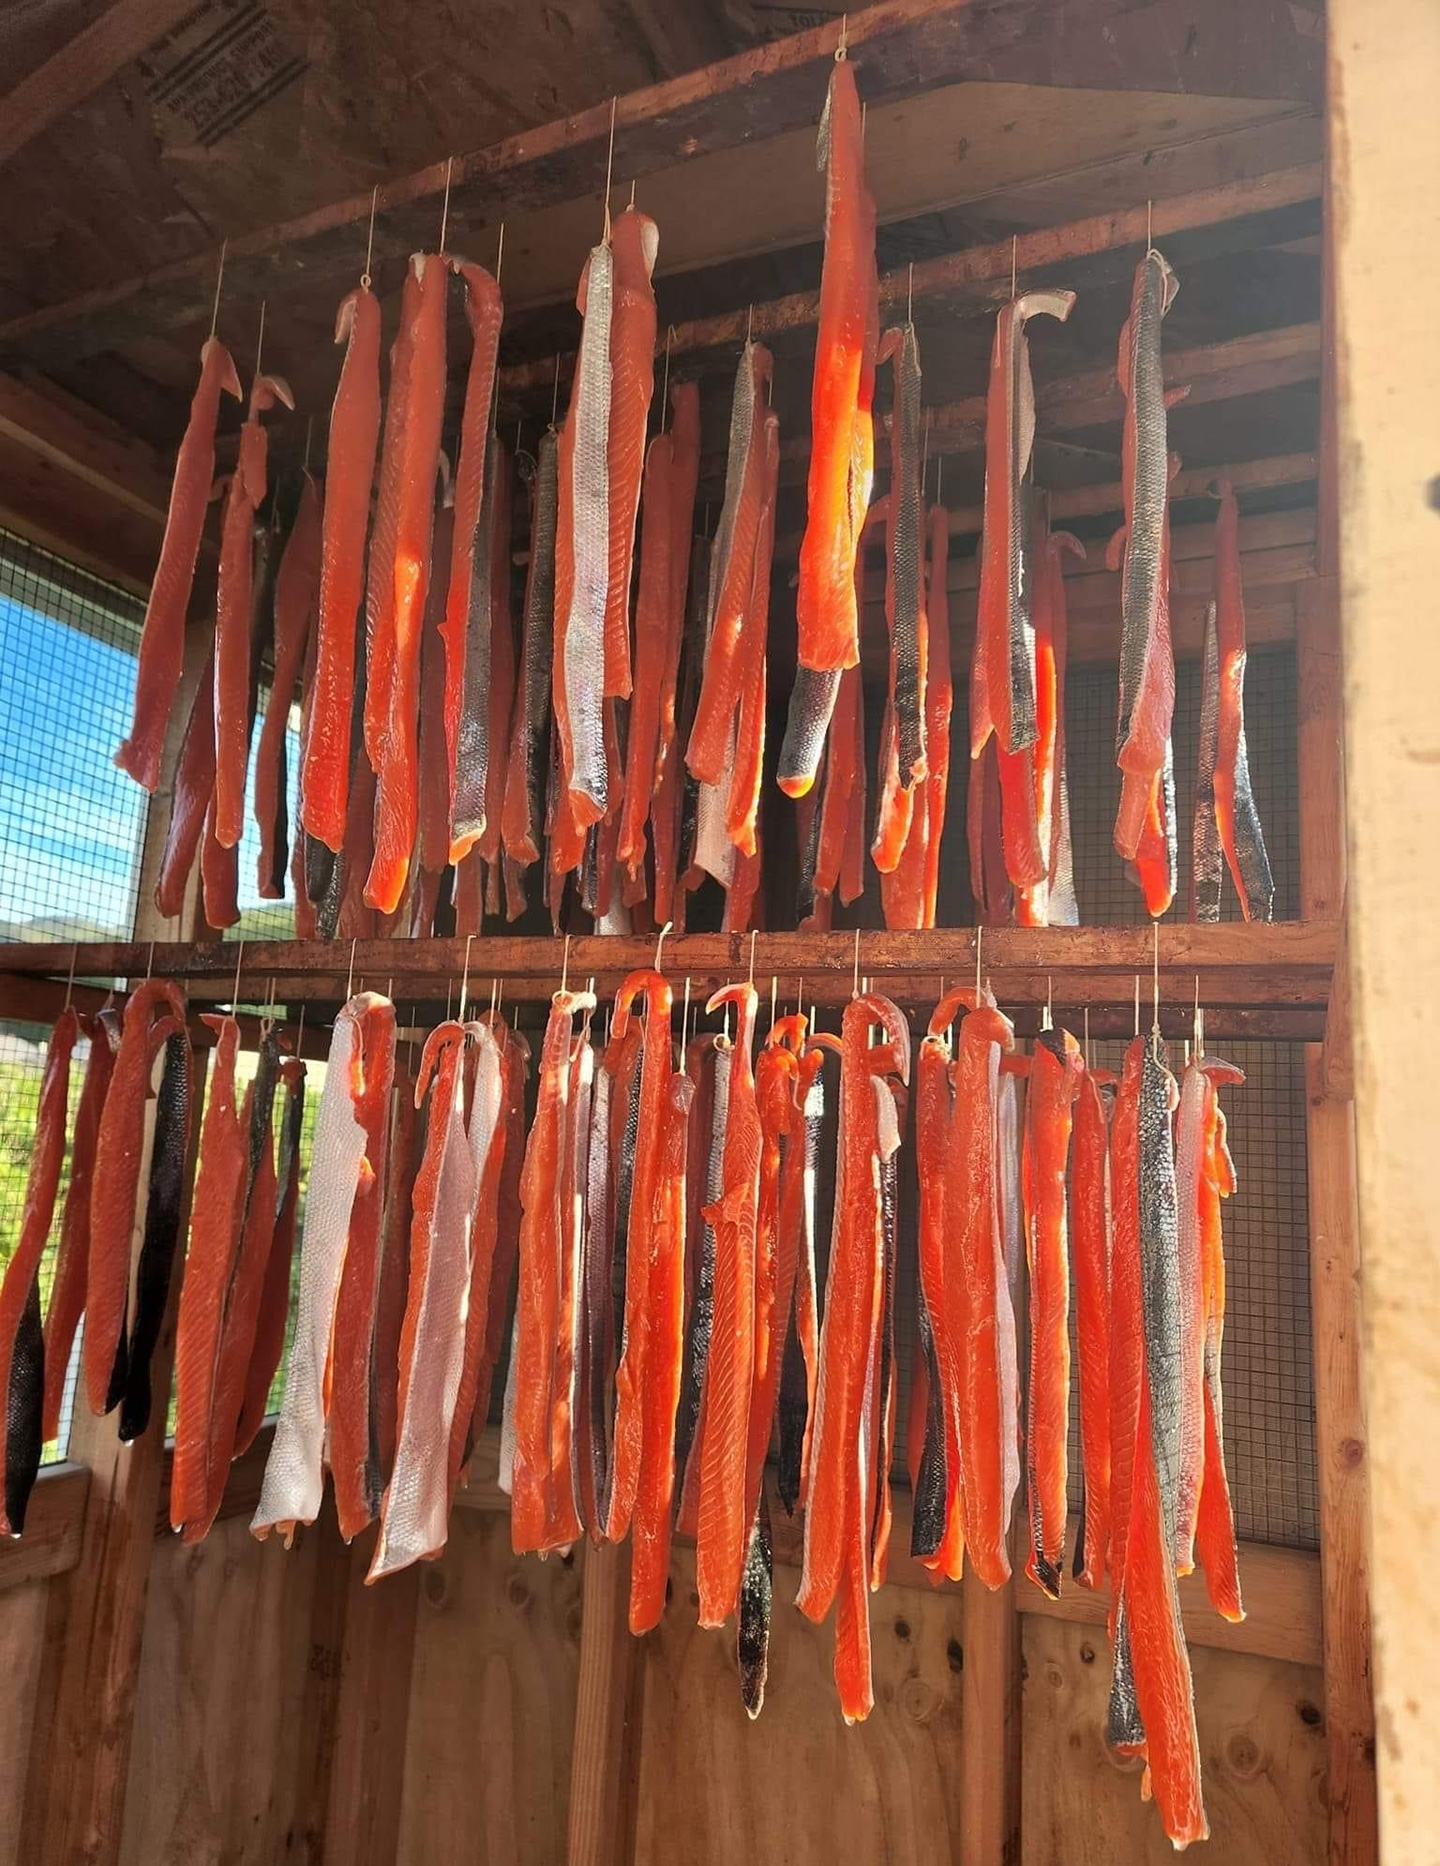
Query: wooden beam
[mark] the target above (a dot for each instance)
(40, 1001)
(1283, 964)
(977, 279)
(51, 1543)
(83, 66)
(607, 1715)
(990, 1748)
(899, 47)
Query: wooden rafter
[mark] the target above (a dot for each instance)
(1241, 47)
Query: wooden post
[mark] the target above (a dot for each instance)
(1385, 150)
(1335, 1290)
(607, 1715)
(990, 1727)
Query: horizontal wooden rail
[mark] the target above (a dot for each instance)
(51, 1542)
(1284, 965)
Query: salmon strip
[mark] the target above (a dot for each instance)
(292, 1487)
(905, 593)
(72, 1258)
(486, 1132)
(634, 242)
(191, 791)
(837, 1520)
(357, 1482)
(162, 638)
(776, 1076)
(1003, 676)
(1090, 1230)
(385, 527)
(1127, 1342)
(723, 1524)
(825, 600)
(1215, 1527)
(582, 558)
(241, 1307)
(653, 629)
(234, 606)
(891, 1108)
(501, 695)
(1032, 902)
(1146, 694)
(484, 312)
(562, 1517)
(732, 566)
(1238, 817)
(522, 825)
(403, 1154)
(21, 1339)
(433, 838)
(1055, 1071)
(274, 1309)
(392, 691)
(537, 1312)
(119, 1147)
(414, 1511)
(940, 1265)
(214, 1235)
(349, 471)
(297, 585)
(743, 804)
(633, 1392)
(705, 1170)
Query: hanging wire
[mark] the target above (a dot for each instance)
(370, 238)
(751, 980)
(70, 981)
(445, 205)
(565, 963)
(260, 339)
(979, 936)
(660, 942)
(465, 975)
(350, 977)
(609, 168)
(219, 280)
(500, 253)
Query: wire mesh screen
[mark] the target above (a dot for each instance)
(261, 919)
(70, 823)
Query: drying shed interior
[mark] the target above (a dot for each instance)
(233, 1702)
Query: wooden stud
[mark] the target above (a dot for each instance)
(607, 1713)
(990, 1760)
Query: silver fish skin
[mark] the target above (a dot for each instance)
(584, 657)
(1207, 862)
(1064, 903)
(1160, 1282)
(1189, 1164)
(812, 701)
(1251, 855)
(594, 1294)
(907, 555)
(1142, 379)
(702, 1313)
(472, 744)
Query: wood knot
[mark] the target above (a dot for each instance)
(1087, 1654)
(1054, 1677)
(917, 1700)
(955, 1654)
(902, 1629)
(1243, 1754)
(1352, 1453)
(516, 1591)
(1309, 1713)
(436, 1587)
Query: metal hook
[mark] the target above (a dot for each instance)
(150, 960)
(684, 1022)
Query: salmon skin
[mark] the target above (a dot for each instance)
(634, 242)
(722, 1524)
(155, 1012)
(297, 584)
(414, 1509)
(1056, 1068)
(352, 1345)
(732, 568)
(592, 1371)
(67, 1291)
(487, 1133)
(274, 1309)
(582, 556)
(742, 808)
(707, 1170)
(826, 616)
(840, 1510)
(291, 1491)
(1226, 817)
(1051, 900)
(812, 702)
(233, 611)
(669, 783)
(1090, 1232)
(1152, 1701)
(164, 1201)
(162, 638)
(393, 666)
(1215, 1524)
(523, 824)
(192, 788)
(1143, 714)
(798, 1317)
(776, 1076)
(22, 1349)
(909, 644)
(469, 554)
(349, 471)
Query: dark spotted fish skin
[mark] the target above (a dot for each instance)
(812, 701)
(1124, 1726)
(24, 1409)
(1140, 590)
(792, 1409)
(1207, 860)
(927, 1528)
(539, 631)
(702, 1313)
(908, 521)
(162, 1232)
(752, 1630)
